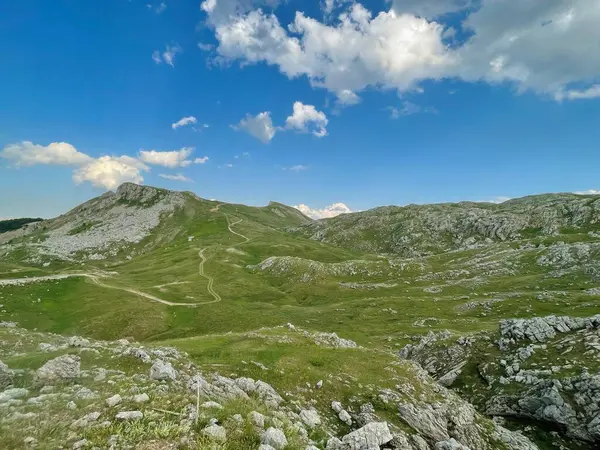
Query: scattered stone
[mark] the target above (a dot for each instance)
(141, 398)
(62, 369)
(162, 371)
(129, 416)
(215, 432)
(275, 438)
(256, 419)
(11, 394)
(114, 400)
(310, 417)
(371, 436)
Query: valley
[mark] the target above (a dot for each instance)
(405, 309)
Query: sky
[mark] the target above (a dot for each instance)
(331, 106)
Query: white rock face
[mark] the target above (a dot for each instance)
(370, 437)
(275, 438)
(162, 370)
(63, 368)
(108, 221)
(450, 444)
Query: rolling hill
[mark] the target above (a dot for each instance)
(494, 302)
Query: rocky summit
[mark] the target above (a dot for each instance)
(149, 319)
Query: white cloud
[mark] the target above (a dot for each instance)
(184, 121)
(205, 47)
(168, 56)
(329, 211)
(544, 46)
(499, 199)
(297, 168)
(259, 126)
(574, 94)
(549, 47)
(307, 119)
(27, 153)
(105, 172)
(229, 165)
(170, 159)
(408, 109)
(109, 172)
(347, 97)
(178, 177)
(588, 192)
(160, 8)
(201, 160)
(389, 50)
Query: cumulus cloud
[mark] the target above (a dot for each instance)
(329, 211)
(191, 120)
(306, 119)
(541, 46)
(167, 56)
(549, 47)
(170, 159)
(27, 153)
(105, 172)
(177, 177)
(109, 172)
(201, 160)
(259, 126)
(388, 50)
(347, 97)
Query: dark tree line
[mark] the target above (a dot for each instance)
(15, 224)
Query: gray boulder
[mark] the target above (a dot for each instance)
(370, 437)
(162, 371)
(62, 369)
(129, 416)
(310, 417)
(275, 438)
(215, 433)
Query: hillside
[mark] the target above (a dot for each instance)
(420, 230)
(402, 328)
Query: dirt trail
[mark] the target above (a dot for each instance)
(209, 286)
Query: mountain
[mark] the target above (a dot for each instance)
(144, 318)
(418, 230)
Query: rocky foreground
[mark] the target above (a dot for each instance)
(77, 393)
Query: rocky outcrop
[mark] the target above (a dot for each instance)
(540, 329)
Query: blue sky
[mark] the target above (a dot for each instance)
(311, 103)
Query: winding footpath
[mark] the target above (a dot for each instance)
(209, 286)
(96, 278)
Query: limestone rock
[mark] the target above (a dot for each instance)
(275, 438)
(162, 371)
(62, 369)
(369, 437)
